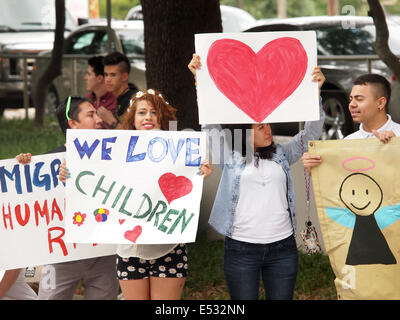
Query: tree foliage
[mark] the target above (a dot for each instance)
(120, 8)
(262, 9)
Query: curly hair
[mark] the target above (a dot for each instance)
(165, 112)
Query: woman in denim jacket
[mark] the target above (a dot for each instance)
(255, 209)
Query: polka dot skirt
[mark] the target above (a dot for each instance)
(172, 265)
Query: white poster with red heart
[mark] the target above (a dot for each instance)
(133, 186)
(257, 77)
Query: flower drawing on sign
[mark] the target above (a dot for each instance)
(101, 214)
(79, 218)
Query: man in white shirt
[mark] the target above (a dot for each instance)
(369, 99)
(14, 287)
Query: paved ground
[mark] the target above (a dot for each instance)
(18, 113)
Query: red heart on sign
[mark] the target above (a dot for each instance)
(132, 235)
(174, 187)
(257, 83)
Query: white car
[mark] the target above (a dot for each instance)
(233, 19)
(26, 28)
(89, 40)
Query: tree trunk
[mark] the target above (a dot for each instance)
(54, 68)
(382, 36)
(169, 28)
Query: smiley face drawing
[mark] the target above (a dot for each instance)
(362, 197)
(361, 194)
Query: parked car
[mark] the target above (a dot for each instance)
(340, 36)
(127, 36)
(233, 19)
(26, 27)
(88, 40)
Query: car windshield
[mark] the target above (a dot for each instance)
(30, 15)
(335, 40)
(132, 41)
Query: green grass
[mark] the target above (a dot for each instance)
(315, 278)
(22, 136)
(205, 279)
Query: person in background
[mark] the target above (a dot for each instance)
(116, 72)
(95, 84)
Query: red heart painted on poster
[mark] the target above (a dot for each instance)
(121, 221)
(133, 234)
(257, 83)
(174, 187)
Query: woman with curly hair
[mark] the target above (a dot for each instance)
(152, 271)
(152, 104)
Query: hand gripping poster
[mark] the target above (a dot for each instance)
(133, 186)
(357, 193)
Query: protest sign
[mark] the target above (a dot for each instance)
(257, 77)
(133, 186)
(358, 204)
(32, 230)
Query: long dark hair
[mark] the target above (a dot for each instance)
(259, 153)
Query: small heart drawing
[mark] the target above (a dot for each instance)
(257, 83)
(133, 234)
(121, 221)
(174, 187)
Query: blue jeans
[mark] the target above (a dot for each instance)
(276, 262)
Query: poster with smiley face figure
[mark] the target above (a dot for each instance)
(358, 204)
(362, 197)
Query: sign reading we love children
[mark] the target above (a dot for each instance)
(133, 186)
(32, 220)
(257, 77)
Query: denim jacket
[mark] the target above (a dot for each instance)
(224, 208)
